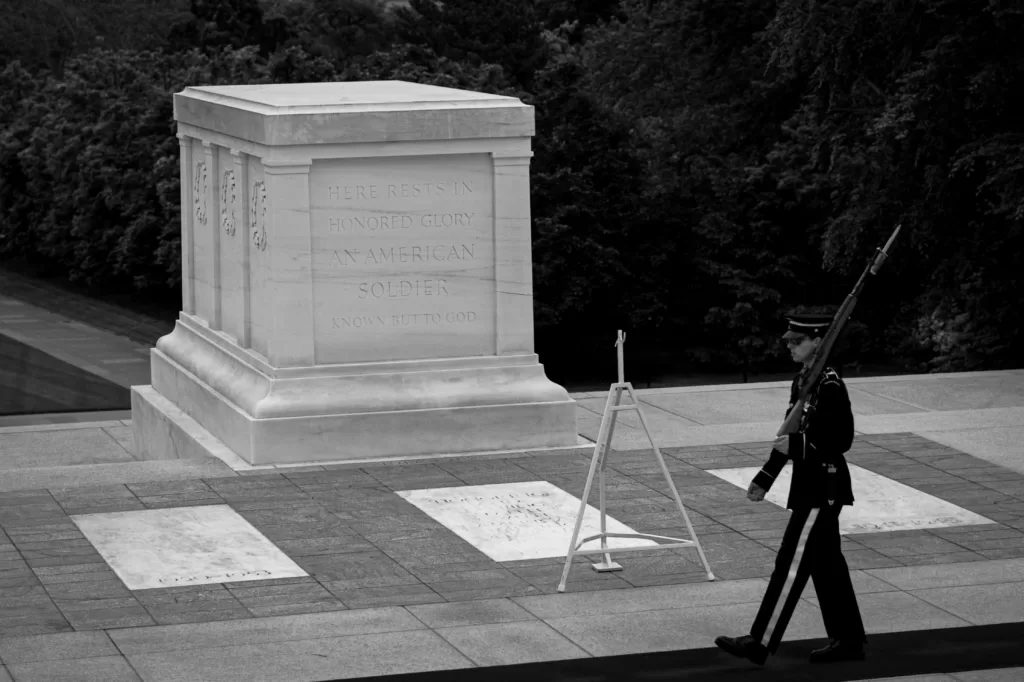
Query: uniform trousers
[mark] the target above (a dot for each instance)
(810, 548)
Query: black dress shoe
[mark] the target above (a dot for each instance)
(838, 650)
(743, 647)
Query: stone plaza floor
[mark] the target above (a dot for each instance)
(117, 569)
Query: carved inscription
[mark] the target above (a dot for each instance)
(258, 215)
(227, 201)
(403, 190)
(221, 577)
(901, 524)
(403, 257)
(200, 187)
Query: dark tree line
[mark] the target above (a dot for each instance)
(699, 166)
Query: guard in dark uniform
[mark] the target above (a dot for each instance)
(820, 487)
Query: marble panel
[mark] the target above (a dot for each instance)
(403, 258)
(514, 521)
(184, 546)
(881, 504)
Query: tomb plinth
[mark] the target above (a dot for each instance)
(356, 279)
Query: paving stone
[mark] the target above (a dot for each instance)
(164, 614)
(271, 581)
(22, 591)
(100, 669)
(35, 609)
(952, 575)
(395, 595)
(185, 500)
(689, 574)
(954, 557)
(295, 609)
(1005, 553)
(862, 559)
(108, 618)
(88, 590)
(322, 546)
(896, 546)
(502, 582)
(354, 566)
(54, 647)
(511, 643)
(168, 488)
(311, 659)
(979, 543)
(478, 612)
(48, 536)
(469, 560)
(38, 545)
(61, 578)
(979, 604)
(667, 629)
(900, 611)
(64, 569)
(189, 637)
(16, 626)
(280, 594)
(185, 595)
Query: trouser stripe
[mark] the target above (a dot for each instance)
(794, 568)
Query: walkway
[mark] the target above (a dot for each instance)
(354, 578)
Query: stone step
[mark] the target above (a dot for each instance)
(36, 478)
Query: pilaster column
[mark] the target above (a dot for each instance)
(513, 261)
(188, 301)
(209, 238)
(289, 246)
(237, 292)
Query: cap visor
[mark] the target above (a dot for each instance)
(793, 335)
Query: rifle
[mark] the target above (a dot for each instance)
(820, 357)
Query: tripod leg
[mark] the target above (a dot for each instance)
(599, 448)
(672, 487)
(607, 564)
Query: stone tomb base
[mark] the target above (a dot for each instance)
(209, 397)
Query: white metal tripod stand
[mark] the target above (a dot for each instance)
(597, 464)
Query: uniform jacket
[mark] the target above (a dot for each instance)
(826, 432)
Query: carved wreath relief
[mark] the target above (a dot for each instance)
(258, 213)
(227, 201)
(199, 187)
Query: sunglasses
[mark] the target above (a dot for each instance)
(793, 343)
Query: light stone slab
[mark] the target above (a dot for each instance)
(881, 504)
(184, 546)
(514, 521)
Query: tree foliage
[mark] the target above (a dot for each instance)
(699, 166)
